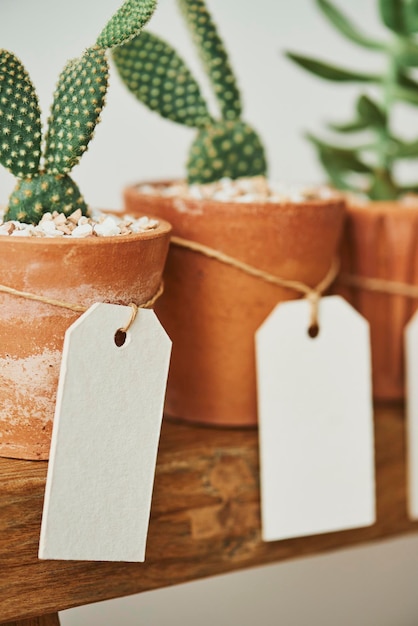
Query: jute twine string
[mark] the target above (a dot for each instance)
(312, 294)
(78, 308)
(379, 285)
(370, 284)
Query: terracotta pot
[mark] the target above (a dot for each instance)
(84, 271)
(211, 310)
(380, 241)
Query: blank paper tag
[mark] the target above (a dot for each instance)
(316, 421)
(411, 366)
(105, 437)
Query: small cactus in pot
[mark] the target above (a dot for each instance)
(50, 271)
(42, 165)
(210, 310)
(155, 73)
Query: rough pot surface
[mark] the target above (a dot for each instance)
(211, 310)
(119, 269)
(380, 241)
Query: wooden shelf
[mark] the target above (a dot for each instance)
(205, 520)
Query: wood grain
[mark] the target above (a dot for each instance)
(205, 520)
(46, 620)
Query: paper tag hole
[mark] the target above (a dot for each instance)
(120, 337)
(313, 331)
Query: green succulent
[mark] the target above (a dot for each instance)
(155, 73)
(367, 164)
(42, 167)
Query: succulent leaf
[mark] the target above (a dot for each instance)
(370, 112)
(78, 102)
(404, 79)
(225, 149)
(349, 127)
(20, 118)
(336, 176)
(411, 15)
(406, 149)
(383, 187)
(391, 12)
(346, 28)
(343, 158)
(44, 193)
(405, 94)
(127, 23)
(213, 56)
(154, 72)
(407, 54)
(369, 168)
(331, 72)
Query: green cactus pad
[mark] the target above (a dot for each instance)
(33, 197)
(213, 56)
(153, 71)
(78, 102)
(20, 118)
(226, 149)
(127, 22)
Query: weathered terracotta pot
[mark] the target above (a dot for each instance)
(211, 310)
(84, 271)
(381, 241)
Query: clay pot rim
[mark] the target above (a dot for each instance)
(161, 230)
(245, 207)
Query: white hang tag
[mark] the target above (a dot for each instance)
(411, 374)
(315, 421)
(105, 437)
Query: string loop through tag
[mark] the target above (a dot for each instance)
(120, 334)
(134, 313)
(312, 294)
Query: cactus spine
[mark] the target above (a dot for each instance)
(43, 181)
(154, 72)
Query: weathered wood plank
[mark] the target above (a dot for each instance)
(45, 620)
(205, 520)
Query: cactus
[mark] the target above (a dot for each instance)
(368, 167)
(43, 181)
(155, 73)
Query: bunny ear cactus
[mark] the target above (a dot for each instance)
(368, 166)
(44, 184)
(154, 72)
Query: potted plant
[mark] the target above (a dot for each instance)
(379, 257)
(52, 251)
(210, 309)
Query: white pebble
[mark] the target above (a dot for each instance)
(223, 196)
(48, 227)
(21, 233)
(59, 226)
(107, 228)
(242, 190)
(84, 230)
(195, 192)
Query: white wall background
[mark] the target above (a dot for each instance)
(369, 586)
